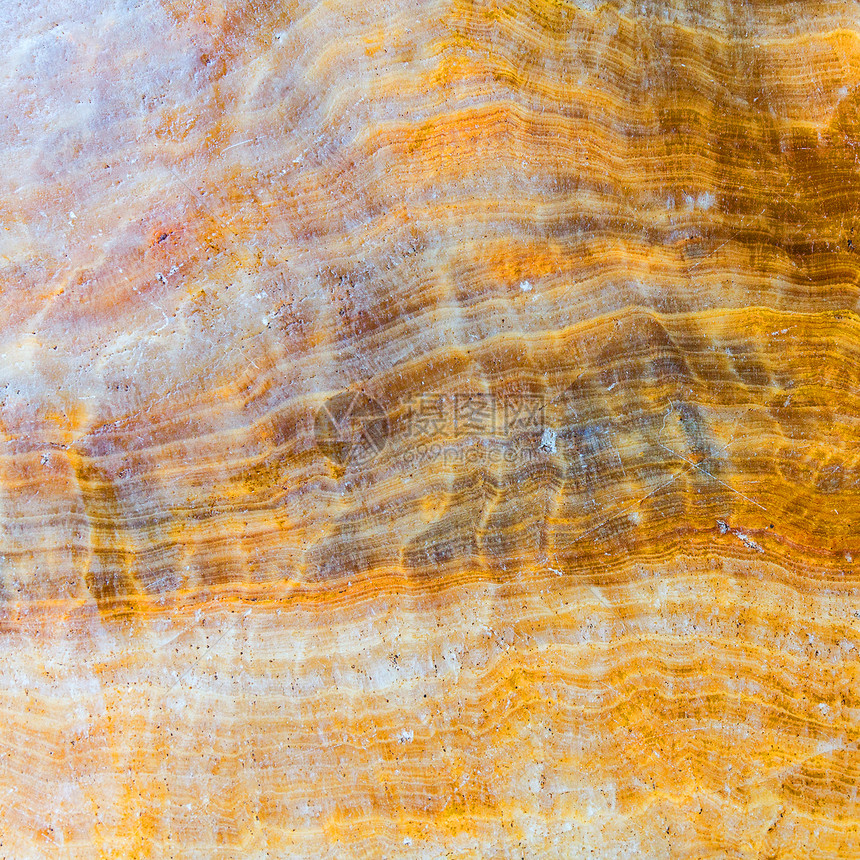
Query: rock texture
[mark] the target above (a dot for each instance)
(429, 429)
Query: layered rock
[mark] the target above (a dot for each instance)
(430, 430)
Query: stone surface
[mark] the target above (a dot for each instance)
(429, 429)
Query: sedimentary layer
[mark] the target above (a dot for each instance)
(429, 430)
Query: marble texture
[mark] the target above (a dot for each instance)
(282, 573)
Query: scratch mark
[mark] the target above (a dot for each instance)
(240, 143)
